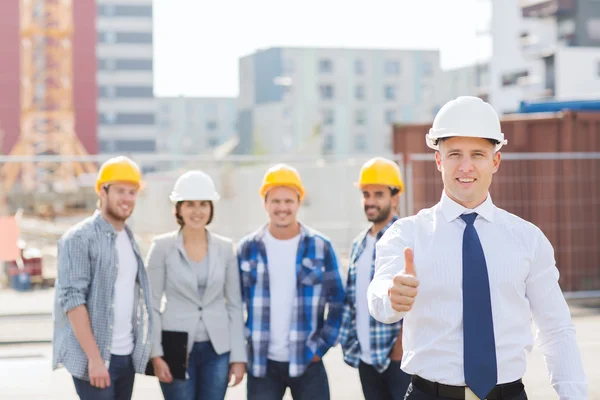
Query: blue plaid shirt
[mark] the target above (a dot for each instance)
(383, 336)
(319, 284)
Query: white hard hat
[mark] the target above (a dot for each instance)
(466, 116)
(194, 185)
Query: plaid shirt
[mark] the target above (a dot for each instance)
(87, 272)
(319, 284)
(383, 336)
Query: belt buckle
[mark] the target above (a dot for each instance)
(469, 395)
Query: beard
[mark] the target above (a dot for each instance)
(113, 212)
(381, 215)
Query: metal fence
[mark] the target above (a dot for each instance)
(558, 192)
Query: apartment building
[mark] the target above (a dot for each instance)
(124, 51)
(194, 125)
(544, 49)
(348, 98)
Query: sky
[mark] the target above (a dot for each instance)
(197, 44)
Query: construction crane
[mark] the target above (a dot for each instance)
(47, 115)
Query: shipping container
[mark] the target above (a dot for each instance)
(549, 175)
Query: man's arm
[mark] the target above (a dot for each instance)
(335, 292)
(74, 276)
(555, 330)
(82, 328)
(389, 261)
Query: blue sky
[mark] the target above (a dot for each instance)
(198, 43)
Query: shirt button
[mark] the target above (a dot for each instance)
(199, 308)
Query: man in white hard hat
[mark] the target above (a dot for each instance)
(467, 277)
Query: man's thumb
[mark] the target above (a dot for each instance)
(409, 262)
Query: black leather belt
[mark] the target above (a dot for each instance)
(500, 392)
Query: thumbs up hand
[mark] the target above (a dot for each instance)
(403, 290)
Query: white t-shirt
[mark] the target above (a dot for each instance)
(281, 258)
(122, 343)
(363, 278)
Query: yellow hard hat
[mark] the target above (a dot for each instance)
(282, 175)
(381, 171)
(118, 169)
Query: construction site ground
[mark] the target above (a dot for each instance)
(26, 336)
(26, 355)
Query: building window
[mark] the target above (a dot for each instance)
(390, 92)
(326, 92)
(328, 143)
(211, 126)
(360, 117)
(390, 116)
(288, 66)
(213, 141)
(109, 37)
(325, 66)
(513, 78)
(593, 28)
(210, 109)
(427, 69)
(328, 117)
(392, 67)
(359, 92)
(135, 146)
(359, 67)
(360, 142)
(125, 37)
(125, 64)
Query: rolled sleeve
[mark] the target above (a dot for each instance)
(389, 261)
(74, 272)
(555, 330)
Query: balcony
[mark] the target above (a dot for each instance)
(546, 8)
(534, 48)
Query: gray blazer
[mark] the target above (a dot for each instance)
(170, 274)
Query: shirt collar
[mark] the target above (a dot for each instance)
(453, 210)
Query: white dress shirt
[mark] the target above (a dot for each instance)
(523, 284)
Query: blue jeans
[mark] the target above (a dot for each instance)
(312, 385)
(208, 373)
(391, 384)
(122, 375)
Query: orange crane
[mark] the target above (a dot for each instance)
(47, 116)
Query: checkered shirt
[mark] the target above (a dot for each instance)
(87, 271)
(313, 329)
(382, 336)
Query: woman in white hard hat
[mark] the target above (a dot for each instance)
(196, 270)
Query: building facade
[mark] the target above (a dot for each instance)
(345, 100)
(192, 125)
(544, 49)
(124, 55)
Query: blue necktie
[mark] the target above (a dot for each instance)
(481, 372)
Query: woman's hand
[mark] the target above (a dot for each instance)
(237, 370)
(161, 370)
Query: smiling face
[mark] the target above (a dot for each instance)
(282, 204)
(378, 203)
(118, 200)
(194, 214)
(467, 166)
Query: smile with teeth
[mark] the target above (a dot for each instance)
(466, 180)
